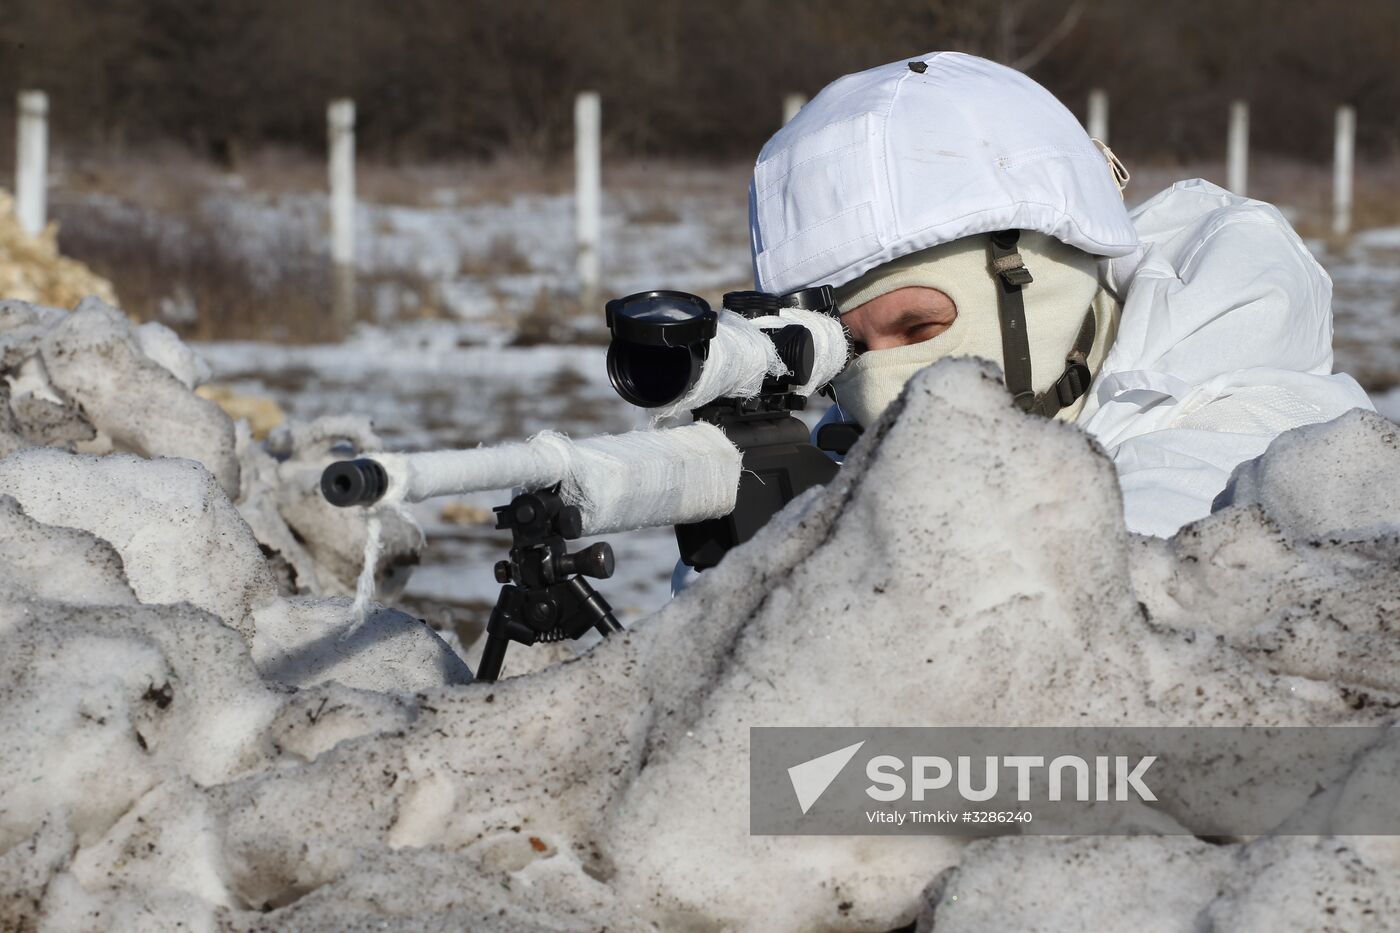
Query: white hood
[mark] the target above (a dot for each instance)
(1224, 343)
(916, 153)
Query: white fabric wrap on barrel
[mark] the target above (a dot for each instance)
(739, 359)
(831, 349)
(618, 481)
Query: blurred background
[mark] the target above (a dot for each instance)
(187, 152)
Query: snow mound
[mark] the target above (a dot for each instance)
(304, 641)
(1171, 885)
(94, 361)
(164, 346)
(180, 539)
(62, 564)
(967, 566)
(1349, 496)
(91, 382)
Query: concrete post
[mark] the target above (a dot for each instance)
(791, 104)
(340, 126)
(1237, 149)
(1098, 115)
(32, 161)
(1344, 152)
(588, 196)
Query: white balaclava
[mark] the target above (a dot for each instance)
(1065, 284)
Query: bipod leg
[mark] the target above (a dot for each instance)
(492, 656)
(498, 633)
(592, 603)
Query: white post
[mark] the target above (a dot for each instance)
(1343, 156)
(1098, 115)
(340, 127)
(340, 121)
(1237, 149)
(791, 104)
(31, 161)
(588, 119)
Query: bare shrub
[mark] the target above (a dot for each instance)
(503, 256)
(192, 273)
(556, 318)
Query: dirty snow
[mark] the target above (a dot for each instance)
(163, 765)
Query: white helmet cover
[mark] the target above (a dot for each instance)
(909, 155)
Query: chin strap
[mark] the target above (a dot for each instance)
(1009, 270)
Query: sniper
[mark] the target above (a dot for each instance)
(937, 207)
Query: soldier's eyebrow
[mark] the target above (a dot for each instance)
(913, 316)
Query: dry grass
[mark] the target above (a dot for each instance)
(171, 178)
(143, 221)
(555, 318)
(655, 212)
(503, 256)
(434, 184)
(202, 282)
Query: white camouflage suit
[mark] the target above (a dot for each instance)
(1225, 338)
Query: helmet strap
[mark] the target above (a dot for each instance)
(1009, 270)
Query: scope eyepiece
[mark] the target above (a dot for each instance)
(796, 350)
(752, 304)
(354, 482)
(659, 340)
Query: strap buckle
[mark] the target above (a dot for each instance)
(1073, 383)
(1012, 270)
(1007, 263)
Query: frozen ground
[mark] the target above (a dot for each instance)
(463, 382)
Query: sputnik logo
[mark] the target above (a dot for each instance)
(811, 778)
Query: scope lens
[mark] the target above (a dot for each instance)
(650, 376)
(658, 345)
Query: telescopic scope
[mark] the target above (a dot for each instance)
(663, 341)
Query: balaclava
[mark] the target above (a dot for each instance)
(1065, 285)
